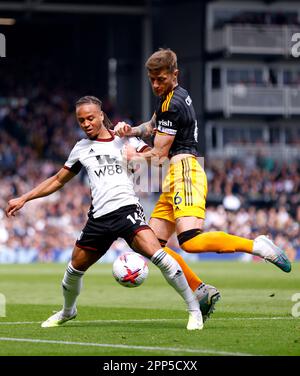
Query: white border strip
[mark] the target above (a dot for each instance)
(130, 347)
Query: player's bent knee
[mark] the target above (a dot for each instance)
(83, 258)
(184, 236)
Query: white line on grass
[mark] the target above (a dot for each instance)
(256, 318)
(216, 318)
(90, 321)
(147, 320)
(19, 322)
(130, 347)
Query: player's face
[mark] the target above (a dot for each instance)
(163, 81)
(90, 119)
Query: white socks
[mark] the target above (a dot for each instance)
(173, 273)
(71, 284)
(171, 270)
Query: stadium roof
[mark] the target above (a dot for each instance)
(128, 7)
(132, 7)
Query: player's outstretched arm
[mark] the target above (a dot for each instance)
(157, 154)
(144, 130)
(48, 186)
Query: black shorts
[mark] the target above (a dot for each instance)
(99, 233)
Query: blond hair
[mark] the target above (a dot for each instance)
(164, 58)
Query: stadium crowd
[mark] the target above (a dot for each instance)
(38, 130)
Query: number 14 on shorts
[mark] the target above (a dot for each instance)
(136, 218)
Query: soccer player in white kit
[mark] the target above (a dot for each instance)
(114, 204)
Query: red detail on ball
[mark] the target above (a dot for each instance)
(131, 275)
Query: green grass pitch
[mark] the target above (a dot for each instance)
(254, 316)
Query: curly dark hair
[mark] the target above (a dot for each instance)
(90, 99)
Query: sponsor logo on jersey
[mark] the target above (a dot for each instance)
(167, 130)
(165, 123)
(106, 159)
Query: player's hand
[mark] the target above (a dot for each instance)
(122, 129)
(14, 205)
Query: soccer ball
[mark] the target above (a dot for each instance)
(130, 269)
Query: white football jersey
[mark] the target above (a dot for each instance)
(111, 183)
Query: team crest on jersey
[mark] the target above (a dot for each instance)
(188, 100)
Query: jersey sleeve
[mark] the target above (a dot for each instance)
(168, 123)
(73, 164)
(138, 144)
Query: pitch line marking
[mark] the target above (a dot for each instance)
(90, 321)
(146, 320)
(120, 346)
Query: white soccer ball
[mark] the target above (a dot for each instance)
(130, 269)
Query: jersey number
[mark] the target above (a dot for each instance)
(177, 199)
(136, 218)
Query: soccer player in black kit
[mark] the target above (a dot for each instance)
(181, 206)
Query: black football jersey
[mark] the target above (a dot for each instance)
(175, 115)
